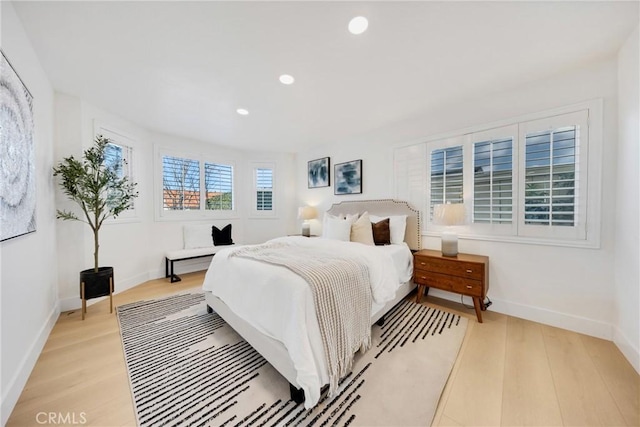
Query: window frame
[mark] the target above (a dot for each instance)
(195, 214)
(590, 167)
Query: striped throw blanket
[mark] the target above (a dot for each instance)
(342, 298)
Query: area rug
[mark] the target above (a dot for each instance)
(188, 367)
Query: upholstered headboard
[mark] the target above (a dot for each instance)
(385, 207)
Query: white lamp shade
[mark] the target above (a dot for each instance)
(307, 212)
(449, 214)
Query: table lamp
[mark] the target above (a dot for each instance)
(307, 213)
(448, 215)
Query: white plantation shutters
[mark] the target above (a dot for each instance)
(553, 176)
(550, 174)
(218, 180)
(446, 183)
(493, 181)
(264, 189)
(410, 175)
(524, 181)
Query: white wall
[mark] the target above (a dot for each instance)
(28, 263)
(135, 248)
(626, 320)
(573, 288)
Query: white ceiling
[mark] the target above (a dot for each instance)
(183, 68)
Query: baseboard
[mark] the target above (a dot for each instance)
(570, 322)
(11, 394)
(75, 303)
(627, 348)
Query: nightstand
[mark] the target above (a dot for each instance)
(464, 274)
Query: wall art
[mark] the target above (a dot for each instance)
(17, 162)
(348, 178)
(319, 173)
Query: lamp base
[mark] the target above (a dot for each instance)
(449, 244)
(306, 229)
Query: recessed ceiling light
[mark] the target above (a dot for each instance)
(358, 25)
(286, 79)
(242, 111)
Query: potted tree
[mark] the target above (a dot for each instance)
(101, 191)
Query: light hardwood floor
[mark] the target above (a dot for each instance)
(509, 372)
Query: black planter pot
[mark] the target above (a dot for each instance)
(96, 284)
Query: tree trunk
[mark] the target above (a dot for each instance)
(95, 249)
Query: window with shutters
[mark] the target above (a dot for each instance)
(263, 189)
(196, 185)
(524, 181)
(218, 180)
(446, 176)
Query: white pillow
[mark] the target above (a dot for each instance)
(361, 230)
(336, 229)
(397, 226)
(197, 236)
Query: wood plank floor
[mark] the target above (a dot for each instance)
(509, 372)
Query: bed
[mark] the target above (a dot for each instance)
(272, 307)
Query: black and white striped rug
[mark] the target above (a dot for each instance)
(188, 367)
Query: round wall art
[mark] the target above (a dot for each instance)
(17, 179)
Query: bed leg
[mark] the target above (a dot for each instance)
(209, 309)
(380, 321)
(297, 394)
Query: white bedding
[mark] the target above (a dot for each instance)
(257, 292)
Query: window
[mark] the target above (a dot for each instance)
(191, 184)
(264, 189)
(118, 156)
(493, 181)
(550, 177)
(524, 181)
(219, 184)
(446, 176)
(180, 184)
(554, 176)
(262, 202)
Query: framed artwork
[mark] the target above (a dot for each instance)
(17, 167)
(348, 178)
(319, 173)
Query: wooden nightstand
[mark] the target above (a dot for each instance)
(465, 274)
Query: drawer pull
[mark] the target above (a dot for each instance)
(424, 278)
(423, 263)
(469, 287)
(469, 271)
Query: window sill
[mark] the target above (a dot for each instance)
(583, 244)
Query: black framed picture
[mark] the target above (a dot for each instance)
(319, 173)
(348, 178)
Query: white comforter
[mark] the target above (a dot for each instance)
(279, 303)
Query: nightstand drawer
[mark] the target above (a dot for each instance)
(448, 283)
(469, 270)
(468, 287)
